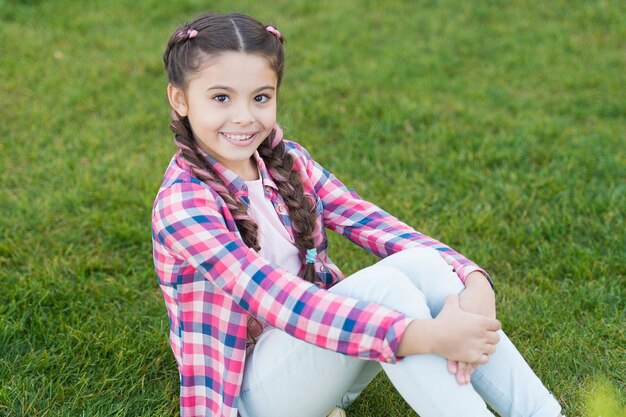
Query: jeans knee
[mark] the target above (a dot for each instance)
(422, 257)
(390, 287)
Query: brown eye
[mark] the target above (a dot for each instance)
(221, 98)
(261, 98)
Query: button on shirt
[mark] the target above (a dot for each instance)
(211, 280)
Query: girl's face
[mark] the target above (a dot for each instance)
(231, 106)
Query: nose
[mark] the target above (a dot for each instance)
(242, 115)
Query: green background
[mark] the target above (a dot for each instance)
(497, 127)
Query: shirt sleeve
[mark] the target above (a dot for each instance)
(371, 227)
(187, 219)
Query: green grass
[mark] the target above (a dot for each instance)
(498, 127)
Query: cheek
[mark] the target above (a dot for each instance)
(269, 115)
(205, 118)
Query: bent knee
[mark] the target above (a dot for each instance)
(420, 257)
(388, 286)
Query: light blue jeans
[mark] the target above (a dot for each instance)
(285, 377)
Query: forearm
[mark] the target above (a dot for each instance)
(479, 282)
(478, 278)
(478, 296)
(417, 338)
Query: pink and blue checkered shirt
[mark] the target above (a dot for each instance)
(211, 280)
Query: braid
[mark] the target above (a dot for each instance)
(301, 206)
(184, 140)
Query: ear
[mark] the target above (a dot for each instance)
(177, 99)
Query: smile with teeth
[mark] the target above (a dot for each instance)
(239, 138)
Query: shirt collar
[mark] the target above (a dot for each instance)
(263, 172)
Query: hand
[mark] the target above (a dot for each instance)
(462, 336)
(478, 298)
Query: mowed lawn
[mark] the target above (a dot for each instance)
(498, 127)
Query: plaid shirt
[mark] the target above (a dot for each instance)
(211, 280)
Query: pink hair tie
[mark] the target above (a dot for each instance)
(278, 136)
(192, 33)
(271, 29)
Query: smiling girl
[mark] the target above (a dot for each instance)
(263, 323)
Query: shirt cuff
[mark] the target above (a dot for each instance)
(473, 268)
(392, 340)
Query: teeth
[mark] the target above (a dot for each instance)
(238, 137)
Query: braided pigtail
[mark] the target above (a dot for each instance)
(301, 206)
(184, 140)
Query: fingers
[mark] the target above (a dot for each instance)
(461, 374)
(464, 372)
(470, 371)
(493, 338)
(489, 349)
(493, 324)
(452, 366)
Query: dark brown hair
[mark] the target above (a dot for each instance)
(188, 50)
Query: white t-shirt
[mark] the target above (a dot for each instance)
(277, 246)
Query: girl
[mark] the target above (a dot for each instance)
(262, 322)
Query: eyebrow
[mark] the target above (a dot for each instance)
(223, 87)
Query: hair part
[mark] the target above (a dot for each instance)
(216, 34)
